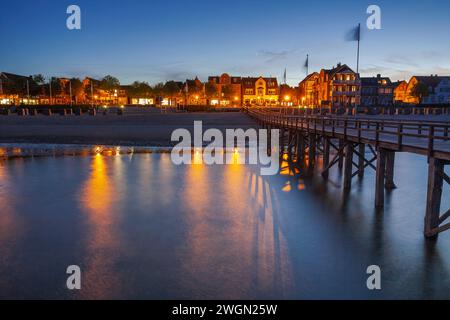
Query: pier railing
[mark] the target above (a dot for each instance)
(423, 137)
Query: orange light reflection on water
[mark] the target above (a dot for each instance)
(233, 220)
(98, 198)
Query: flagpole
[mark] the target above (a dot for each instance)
(307, 64)
(50, 91)
(359, 41)
(28, 91)
(92, 94)
(70, 87)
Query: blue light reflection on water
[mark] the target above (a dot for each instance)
(140, 227)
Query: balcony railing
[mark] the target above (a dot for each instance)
(347, 93)
(351, 82)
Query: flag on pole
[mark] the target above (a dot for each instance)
(306, 65)
(355, 35)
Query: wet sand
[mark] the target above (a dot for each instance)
(134, 128)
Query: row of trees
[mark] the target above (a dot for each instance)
(58, 87)
(171, 89)
(142, 89)
(109, 84)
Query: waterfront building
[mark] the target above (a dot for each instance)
(308, 91)
(400, 88)
(377, 92)
(17, 89)
(60, 91)
(227, 91)
(260, 92)
(432, 89)
(194, 92)
(339, 87)
(288, 96)
(94, 93)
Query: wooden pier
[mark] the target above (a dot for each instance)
(307, 137)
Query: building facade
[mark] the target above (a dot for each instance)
(400, 88)
(260, 92)
(432, 89)
(308, 95)
(16, 89)
(377, 92)
(228, 91)
(194, 92)
(288, 96)
(339, 87)
(440, 94)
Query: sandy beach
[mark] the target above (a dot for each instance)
(135, 128)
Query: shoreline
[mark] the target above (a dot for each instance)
(141, 129)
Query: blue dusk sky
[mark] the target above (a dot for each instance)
(159, 40)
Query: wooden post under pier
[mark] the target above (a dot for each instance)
(390, 163)
(300, 147)
(348, 166)
(434, 194)
(281, 142)
(341, 154)
(312, 151)
(289, 145)
(326, 156)
(380, 178)
(269, 140)
(361, 159)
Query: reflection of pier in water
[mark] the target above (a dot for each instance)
(306, 139)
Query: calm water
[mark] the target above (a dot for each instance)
(140, 227)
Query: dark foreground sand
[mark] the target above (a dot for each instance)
(134, 128)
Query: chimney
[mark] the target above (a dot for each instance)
(378, 76)
(339, 64)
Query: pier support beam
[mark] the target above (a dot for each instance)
(312, 151)
(341, 154)
(436, 176)
(361, 159)
(380, 178)
(269, 140)
(282, 142)
(300, 147)
(348, 166)
(390, 162)
(290, 144)
(326, 156)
